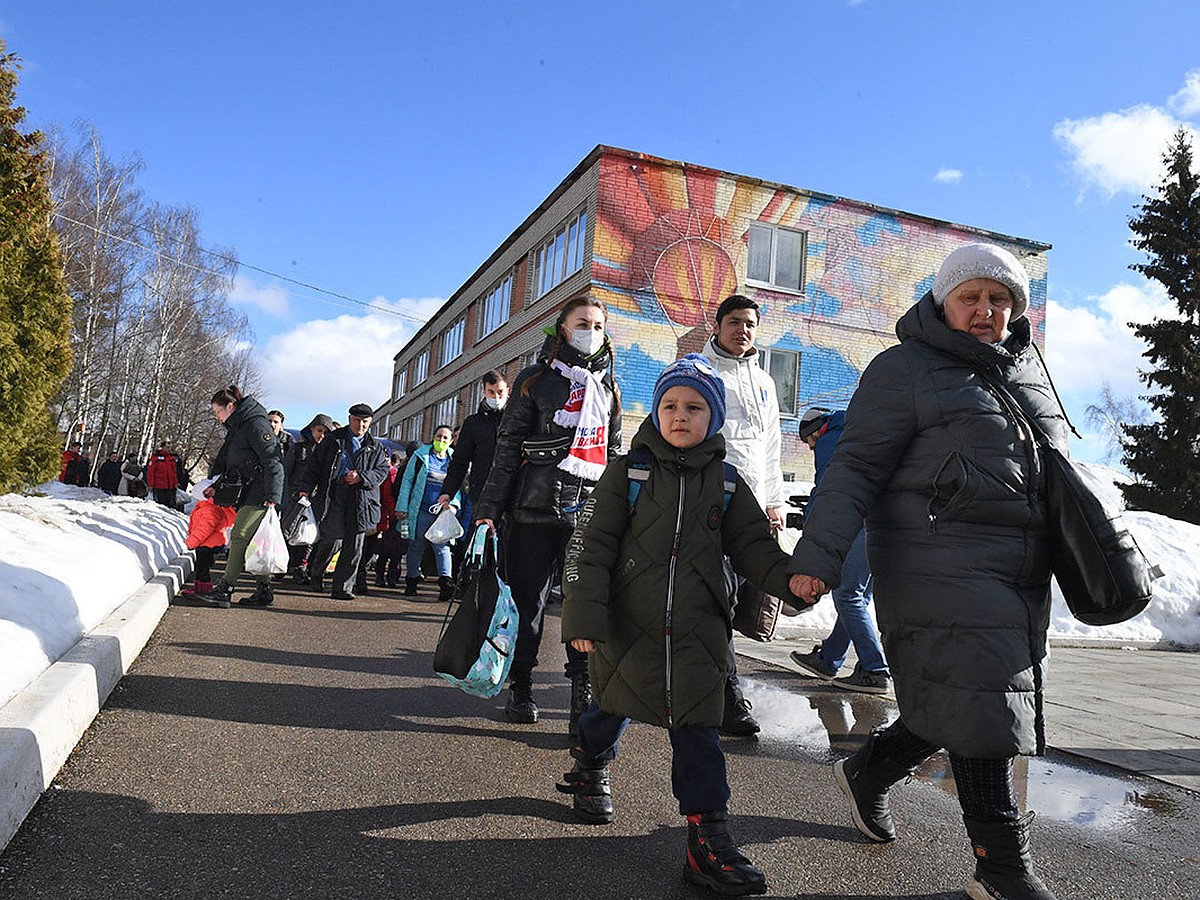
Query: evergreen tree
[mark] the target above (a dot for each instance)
(35, 311)
(1164, 455)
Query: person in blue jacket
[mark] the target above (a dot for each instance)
(820, 429)
(416, 502)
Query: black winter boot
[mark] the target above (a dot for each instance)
(715, 862)
(738, 721)
(588, 781)
(410, 587)
(581, 699)
(218, 596)
(446, 586)
(264, 595)
(520, 707)
(865, 778)
(1003, 864)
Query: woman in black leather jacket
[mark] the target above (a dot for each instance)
(561, 426)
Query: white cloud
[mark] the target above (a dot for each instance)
(1118, 151)
(948, 176)
(270, 298)
(1187, 101)
(1092, 343)
(325, 365)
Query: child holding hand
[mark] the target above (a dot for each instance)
(647, 598)
(208, 532)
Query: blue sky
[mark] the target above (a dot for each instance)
(383, 150)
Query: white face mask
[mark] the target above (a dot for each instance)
(587, 341)
(495, 402)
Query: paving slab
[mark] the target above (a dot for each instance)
(1136, 709)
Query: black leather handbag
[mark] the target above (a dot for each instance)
(1099, 567)
(230, 490)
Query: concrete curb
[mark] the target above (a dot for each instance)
(41, 725)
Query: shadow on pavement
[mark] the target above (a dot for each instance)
(117, 846)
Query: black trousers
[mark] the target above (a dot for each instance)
(985, 786)
(204, 561)
(532, 554)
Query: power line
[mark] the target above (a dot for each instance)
(234, 261)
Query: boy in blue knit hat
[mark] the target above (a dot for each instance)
(646, 598)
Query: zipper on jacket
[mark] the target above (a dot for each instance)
(671, 598)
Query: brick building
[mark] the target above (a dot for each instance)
(662, 243)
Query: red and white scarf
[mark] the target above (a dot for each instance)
(586, 411)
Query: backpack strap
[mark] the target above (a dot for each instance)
(730, 484)
(639, 473)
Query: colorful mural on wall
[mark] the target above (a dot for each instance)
(671, 242)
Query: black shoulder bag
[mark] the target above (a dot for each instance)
(1099, 567)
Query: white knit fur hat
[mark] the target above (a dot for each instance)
(983, 261)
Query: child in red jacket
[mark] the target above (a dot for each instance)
(208, 532)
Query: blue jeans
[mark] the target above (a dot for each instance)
(698, 778)
(855, 624)
(417, 545)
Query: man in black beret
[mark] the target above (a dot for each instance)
(344, 475)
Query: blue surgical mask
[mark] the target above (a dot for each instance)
(494, 402)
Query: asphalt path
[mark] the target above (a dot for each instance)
(307, 750)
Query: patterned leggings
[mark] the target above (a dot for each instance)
(985, 786)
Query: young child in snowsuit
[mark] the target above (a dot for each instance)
(208, 532)
(647, 597)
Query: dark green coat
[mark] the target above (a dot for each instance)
(661, 622)
(251, 449)
(956, 530)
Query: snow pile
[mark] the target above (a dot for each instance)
(1174, 614)
(67, 560)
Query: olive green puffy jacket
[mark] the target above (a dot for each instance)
(661, 620)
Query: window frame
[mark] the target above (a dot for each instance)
(774, 231)
(495, 307)
(765, 355)
(400, 383)
(453, 339)
(421, 367)
(445, 411)
(553, 255)
(415, 425)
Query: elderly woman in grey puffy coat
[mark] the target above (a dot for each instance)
(952, 493)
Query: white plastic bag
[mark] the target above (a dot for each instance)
(445, 527)
(305, 531)
(267, 552)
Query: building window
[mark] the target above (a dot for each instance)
(776, 257)
(416, 425)
(494, 307)
(784, 368)
(452, 341)
(475, 396)
(397, 431)
(400, 383)
(446, 412)
(561, 255)
(421, 368)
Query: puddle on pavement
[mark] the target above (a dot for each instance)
(829, 722)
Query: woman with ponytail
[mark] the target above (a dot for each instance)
(561, 425)
(250, 455)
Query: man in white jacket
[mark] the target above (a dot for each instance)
(752, 439)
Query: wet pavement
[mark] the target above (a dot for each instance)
(307, 750)
(1135, 709)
